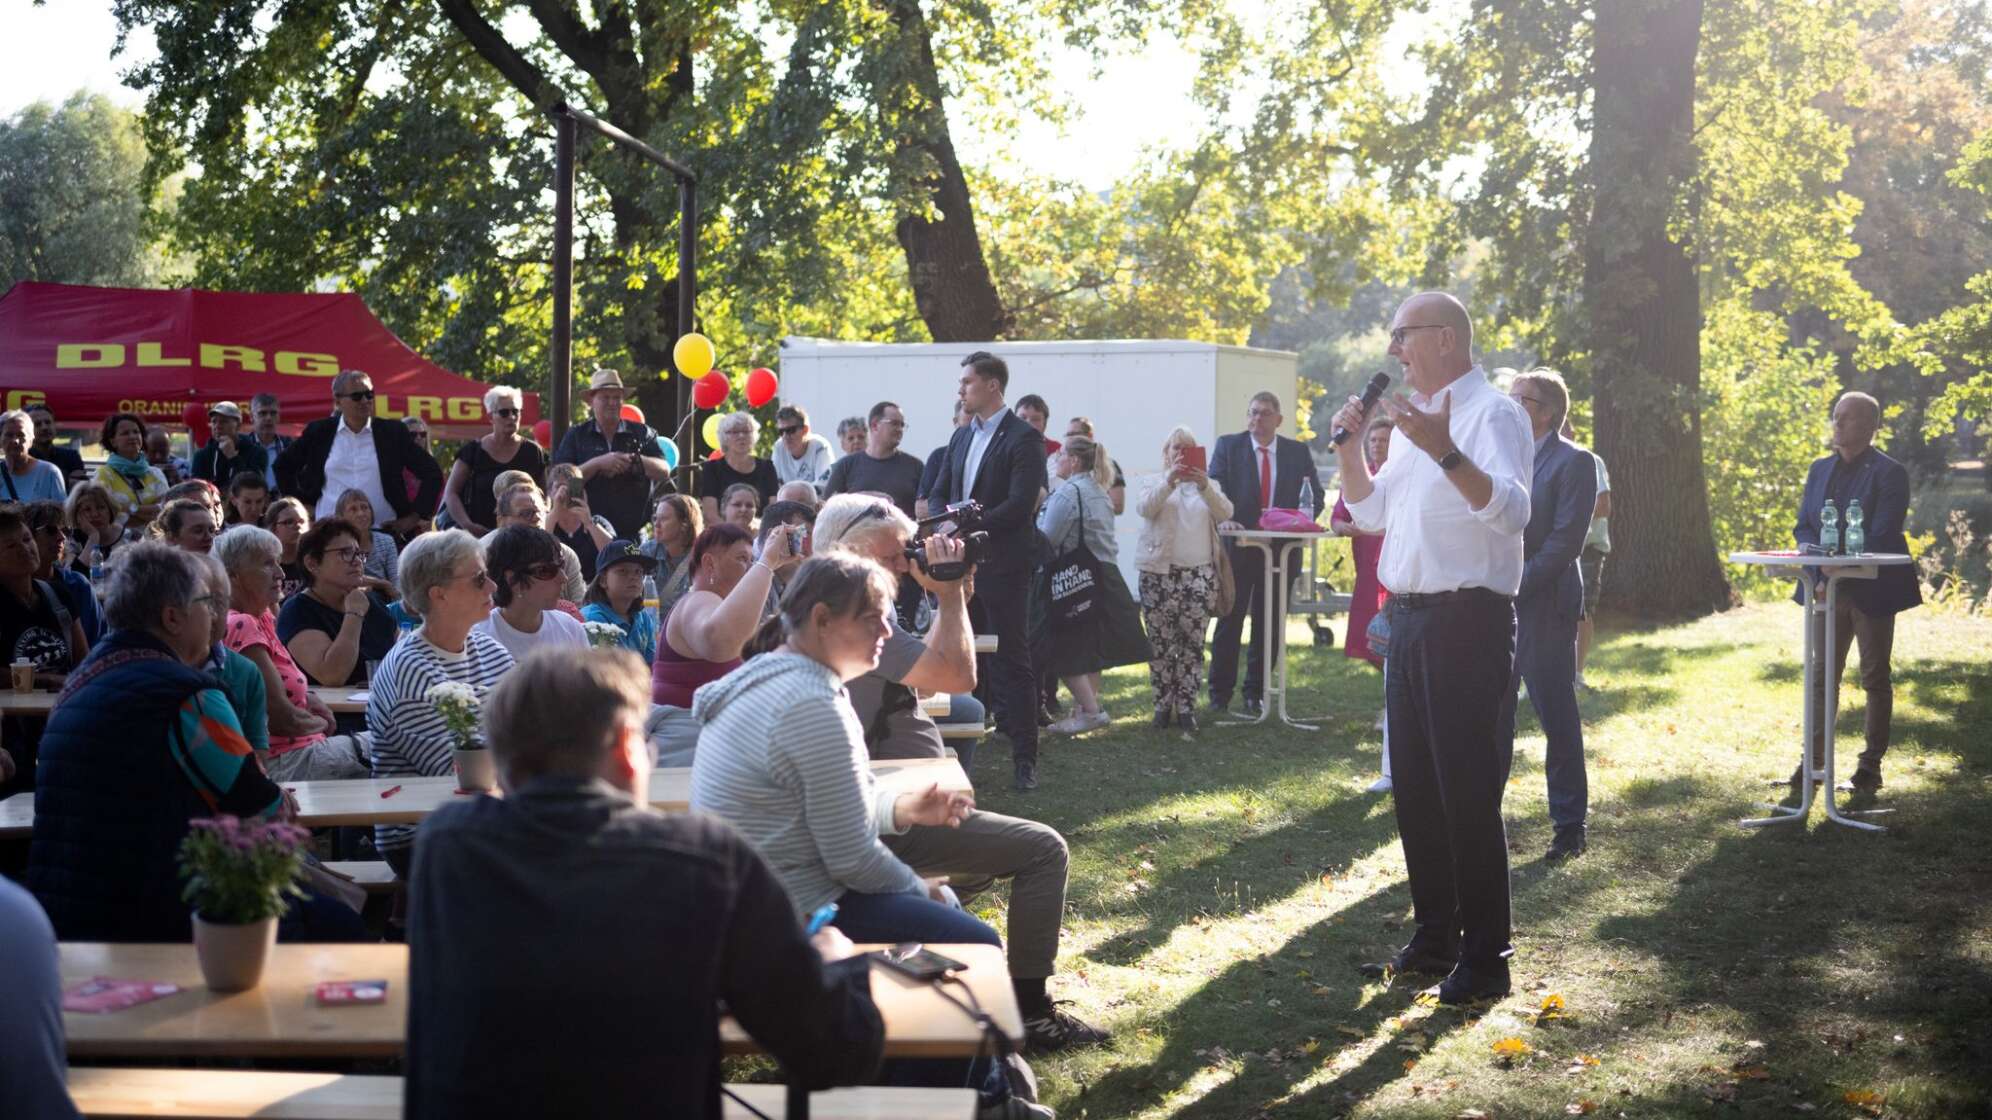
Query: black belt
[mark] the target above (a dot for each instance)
(1420, 600)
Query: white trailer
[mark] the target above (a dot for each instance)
(1134, 391)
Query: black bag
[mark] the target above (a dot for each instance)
(1075, 586)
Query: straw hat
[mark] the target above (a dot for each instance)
(605, 379)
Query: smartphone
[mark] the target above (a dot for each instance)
(1194, 458)
(910, 958)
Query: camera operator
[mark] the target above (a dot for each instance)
(986, 846)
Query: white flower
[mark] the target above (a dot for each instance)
(603, 635)
(451, 692)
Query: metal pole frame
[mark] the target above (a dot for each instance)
(566, 120)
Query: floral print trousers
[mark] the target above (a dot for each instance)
(1176, 606)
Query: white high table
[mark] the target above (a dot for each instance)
(1274, 549)
(1822, 707)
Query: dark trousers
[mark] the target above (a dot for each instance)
(1248, 573)
(1446, 685)
(1546, 660)
(1876, 635)
(1001, 606)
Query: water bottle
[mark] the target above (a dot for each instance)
(93, 559)
(1856, 532)
(1307, 497)
(1829, 529)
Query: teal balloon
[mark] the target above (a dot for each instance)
(670, 449)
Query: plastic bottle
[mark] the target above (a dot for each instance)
(1856, 531)
(1307, 497)
(93, 559)
(1829, 529)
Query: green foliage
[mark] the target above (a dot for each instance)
(241, 872)
(1964, 333)
(73, 200)
(1764, 406)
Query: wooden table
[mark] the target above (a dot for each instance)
(26, 703)
(342, 700)
(279, 1018)
(358, 801)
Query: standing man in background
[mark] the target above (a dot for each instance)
(66, 459)
(1452, 502)
(881, 466)
(998, 460)
(619, 459)
(264, 415)
(1866, 608)
(1551, 596)
(227, 454)
(1259, 470)
(348, 451)
(800, 455)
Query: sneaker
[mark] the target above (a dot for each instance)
(1080, 722)
(1381, 785)
(1026, 774)
(1056, 1030)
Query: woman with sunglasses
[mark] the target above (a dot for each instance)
(526, 577)
(335, 626)
(468, 493)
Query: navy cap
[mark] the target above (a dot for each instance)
(622, 552)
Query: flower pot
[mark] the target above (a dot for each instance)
(475, 770)
(232, 954)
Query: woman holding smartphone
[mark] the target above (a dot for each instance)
(1177, 557)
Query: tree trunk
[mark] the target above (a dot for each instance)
(1644, 310)
(951, 284)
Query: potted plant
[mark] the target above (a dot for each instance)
(457, 704)
(240, 878)
(603, 635)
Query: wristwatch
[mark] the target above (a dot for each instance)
(1451, 459)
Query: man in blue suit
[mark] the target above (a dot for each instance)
(1259, 469)
(1856, 472)
(1550, 600)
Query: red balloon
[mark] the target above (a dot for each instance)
(709, 391)
(196, 418)
(761, 387)
(632, 413)
(543, 433)
(714, 453)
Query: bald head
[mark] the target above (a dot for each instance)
(1432, 336)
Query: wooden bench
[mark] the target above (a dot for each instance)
(205, 1094)
(962, 730)
(370, 875)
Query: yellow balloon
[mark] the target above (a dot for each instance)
(709, 430)
(693, 355)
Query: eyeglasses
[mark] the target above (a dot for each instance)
(1398, 336)
(214, 602)
(545, 571)
(361, 397)
(349, 555)
(1537, 401)
(476, 578)
(789, 431)
(507, 413)
(419, 433)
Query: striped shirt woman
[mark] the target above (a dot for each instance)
(410, 738)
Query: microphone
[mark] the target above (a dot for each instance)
(1371, 392)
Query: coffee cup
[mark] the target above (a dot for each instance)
(23, 674)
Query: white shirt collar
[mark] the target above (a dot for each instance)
(1463, 388)
(347, 429)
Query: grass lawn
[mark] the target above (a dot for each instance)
(1223, 890)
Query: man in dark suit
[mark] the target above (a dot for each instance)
(1866, 609)
(997, 459)
(1259, 469)
(348, 451)
(1551, 598)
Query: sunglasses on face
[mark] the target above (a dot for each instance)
(788, 431)
(508, 413)
(361, 397)
(546, 571)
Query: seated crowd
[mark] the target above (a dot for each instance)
(186, 626)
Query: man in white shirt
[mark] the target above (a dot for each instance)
(1452, 502)
(348, 451)
(800, 455)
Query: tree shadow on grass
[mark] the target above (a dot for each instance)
(1832, 944)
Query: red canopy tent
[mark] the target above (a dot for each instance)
(89, 352)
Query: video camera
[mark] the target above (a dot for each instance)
(961, 521)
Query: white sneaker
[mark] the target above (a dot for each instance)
(1080, 722)
(1381, 785)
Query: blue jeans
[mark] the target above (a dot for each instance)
(913, 917)
(963, 707)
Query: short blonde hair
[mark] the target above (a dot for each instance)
(503, 394)
(508, 479)
(734, 421)
(1178, 434)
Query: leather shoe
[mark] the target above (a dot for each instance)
(1026, 776)
(1565, 847)
(1410, 959)
(1866, 780)
(1218, 707)
(1473, 985)
(1188, 722)
(1254, 709)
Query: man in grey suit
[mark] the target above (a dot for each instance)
(1551, 598)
